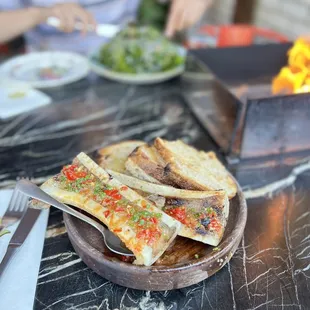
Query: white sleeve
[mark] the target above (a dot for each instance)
(6, 5)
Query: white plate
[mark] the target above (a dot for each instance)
(139, 78)
(31, 69)
(18, 282)
(19, 97)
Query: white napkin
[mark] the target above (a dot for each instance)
(18, 282)
(18, 97)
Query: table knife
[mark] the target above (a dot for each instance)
(19, 236)
(104, 30)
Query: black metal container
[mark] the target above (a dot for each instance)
(238, 109)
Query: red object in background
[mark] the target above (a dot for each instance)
(4, 49)
(233, 35)
(16, 46)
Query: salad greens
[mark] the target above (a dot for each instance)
(3, 231)
(140, 50)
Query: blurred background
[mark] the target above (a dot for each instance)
(289, 17)
(286, 17)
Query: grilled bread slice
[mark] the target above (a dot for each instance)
(146, 230)
(203, 214)
(193, 169)
(115, 156)
(145, 163)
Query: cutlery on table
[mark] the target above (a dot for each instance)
(104, 30)
(16, 209)
(19, 235)
(111, 240)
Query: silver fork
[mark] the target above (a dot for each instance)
(16, 209)
(111, 240)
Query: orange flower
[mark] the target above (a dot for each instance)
(288, 80)
(295, 77)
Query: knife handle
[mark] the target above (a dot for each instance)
(7, 258)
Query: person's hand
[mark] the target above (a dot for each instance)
(69, 14)
(185, 13)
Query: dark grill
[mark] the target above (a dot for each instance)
(240, 112)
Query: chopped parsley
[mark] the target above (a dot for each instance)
(135, 218)
(158, 215)
(143, 218)
(4, 232)
(209, 211)
(62, 179)
(197, 215)
(98, 191)
(73, 186)
(70, 187)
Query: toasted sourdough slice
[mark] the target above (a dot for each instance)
(193, 169)
(146, 164)
(115, 156)
(203, 214)
(146, 230)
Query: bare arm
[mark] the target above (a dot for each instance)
(184, 13)
(15, 23)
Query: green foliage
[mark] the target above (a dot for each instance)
(140, 50)
(152, 13)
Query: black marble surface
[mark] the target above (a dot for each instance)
(271, 268)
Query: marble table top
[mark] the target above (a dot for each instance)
(271, 268)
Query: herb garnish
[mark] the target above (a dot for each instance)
(98, 191)
(3, 231)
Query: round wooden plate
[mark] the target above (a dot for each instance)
(178, 267)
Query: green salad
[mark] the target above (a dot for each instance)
(140, 50)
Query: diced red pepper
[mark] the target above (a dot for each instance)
(117, 197)
(214, 224)
(143, 204)
(117, 230)
(178, 213)
(70, 173)
(119, 209)
(106, 213)
(149, 235)
(154, 220)
(124, 188)
(107, 200)
(113, 193)
(141, 234)
(81, 174)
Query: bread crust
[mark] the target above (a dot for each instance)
(172, 163)
(148, 160)
(180, 168)
(115, 156)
